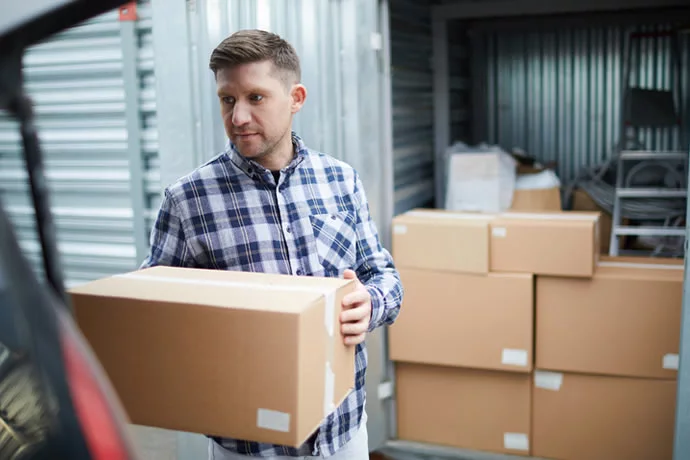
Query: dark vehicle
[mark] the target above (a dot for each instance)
(55, 400)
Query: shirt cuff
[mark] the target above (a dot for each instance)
(377, 307)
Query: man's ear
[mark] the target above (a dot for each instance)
(298, 95)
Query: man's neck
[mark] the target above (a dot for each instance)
(280, 157)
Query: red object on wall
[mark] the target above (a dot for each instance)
(128, 12)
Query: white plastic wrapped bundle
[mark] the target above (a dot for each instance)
(480, 179)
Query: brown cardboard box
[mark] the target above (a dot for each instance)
(245, 355)
(545, 243)
(584, 417)
(442, 240)
(465, 408)
(548, 199)
(456, 319)
(582, 202)
(623, 321)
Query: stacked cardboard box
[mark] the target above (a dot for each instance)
(464, 342)
(482, 289)
(606, 359)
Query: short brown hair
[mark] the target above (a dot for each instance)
(248, 46)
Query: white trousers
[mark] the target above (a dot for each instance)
(356, 449)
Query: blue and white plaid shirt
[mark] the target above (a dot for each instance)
(229, 214)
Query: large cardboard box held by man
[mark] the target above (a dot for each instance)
(244, 355)
(590, 417)
(464, 408)
(457, 319)
(624, 321)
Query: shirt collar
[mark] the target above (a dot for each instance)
(255, 170)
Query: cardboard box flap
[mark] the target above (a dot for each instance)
(221, 294)
(216, 288)
(556, 216)
(639, 268)
(643, 260)
(449, 217)
(288, 281)
(641, 272)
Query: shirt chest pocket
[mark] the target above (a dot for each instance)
(335, 236)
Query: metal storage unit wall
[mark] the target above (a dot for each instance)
(554, 90)
(93, 92)
(412, 95)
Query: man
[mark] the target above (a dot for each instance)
(270, 204)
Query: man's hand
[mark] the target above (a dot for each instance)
(356, 314)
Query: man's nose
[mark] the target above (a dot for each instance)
(241, 114)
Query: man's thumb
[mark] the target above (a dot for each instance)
(349, 274)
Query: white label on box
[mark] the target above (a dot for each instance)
(548, 380)
(499, 232)
(273, 420)
(329, 312)
(514, 357)
(671, 361)
(400, 229)
(329, 393)
(516, 441)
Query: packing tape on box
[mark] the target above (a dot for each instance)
(516, 441)
(329, 393)
(329, 294)
(639, 265)
(548, 380)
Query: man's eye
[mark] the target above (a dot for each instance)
(256, 97)
(228, 100)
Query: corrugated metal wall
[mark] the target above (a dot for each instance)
(460, 67)
(556, 93)
(79, 91)
(412, 94)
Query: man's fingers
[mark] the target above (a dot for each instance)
(356, 297)
(354, 339)
(349, 274)
(357, 328)
(354, 315)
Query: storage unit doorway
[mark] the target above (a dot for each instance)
(537, 76)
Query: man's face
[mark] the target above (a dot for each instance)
(257, 106)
